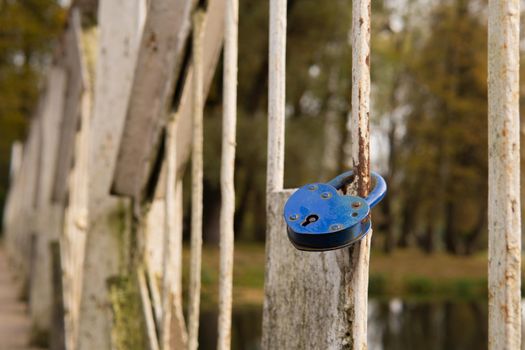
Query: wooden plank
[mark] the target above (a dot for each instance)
(16, 160)
(14, 170)
(276, 96)
(179, 335)
(197, 186)
(154, 253)
(131, 176)
(76, 71)
(159, 62)
(356, 268)
(229, 123)
(49, 222)
(24, 224)
(147, 310)
(73, 239)
(156, 299)
(50, 130)
(154, 237)
(57, 338)
(169, 234)
(213, 40)
(504, 214)
(106, 246)
(173, 331)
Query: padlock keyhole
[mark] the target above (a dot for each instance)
(310, 219)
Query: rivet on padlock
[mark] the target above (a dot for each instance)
(320, 218)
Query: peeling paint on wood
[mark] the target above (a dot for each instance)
(49, 215)
(105, 247)
(196, 182)
(160, 58)
(504, 219)
(173, 330)
(75, 66)
(356, 270)
(229, 123)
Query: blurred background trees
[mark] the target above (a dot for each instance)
(28, 30)
(429, 111)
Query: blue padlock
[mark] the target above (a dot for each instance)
(320, 218)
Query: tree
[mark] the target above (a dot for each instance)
(445, 147)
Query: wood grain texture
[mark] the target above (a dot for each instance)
(129, 174)
(213, 40)
(356, 270)
(76, 71)
(159, 63)
(73, 238)
(48, 220)
(105, 245)
(504, 215)
(169, 231)
(276, 96)
(229, 123)
(196, 181)
(173, 330)
(149, 320)
(179, 335)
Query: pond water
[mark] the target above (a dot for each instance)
(392, 325)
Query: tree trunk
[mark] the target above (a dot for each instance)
(472, 239)
(450, 227)
(407, 224)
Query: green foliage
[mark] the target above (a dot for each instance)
(460, 288)
(443, 155)
(377, 284)
(419, 285)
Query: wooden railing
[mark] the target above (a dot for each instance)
(93, 220)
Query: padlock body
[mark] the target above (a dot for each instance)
(329, 241)
(320, 218)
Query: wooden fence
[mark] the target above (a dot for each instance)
(93, 220)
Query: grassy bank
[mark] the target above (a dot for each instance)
(410, 273)
(405, 273)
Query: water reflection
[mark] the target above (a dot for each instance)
(434, 325)
(392, 324)
(246, 328)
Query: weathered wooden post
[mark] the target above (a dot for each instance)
(357, 270)
(315, 300)
(75, 171)
(49, 214)
(196, 181)
(71, 178)
(504, 175)
(172, 309)
(25, 226)
(10, 206)
(15, 160)
(119, 23)
(229, 122)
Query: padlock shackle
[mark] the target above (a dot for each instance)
(374, 197)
